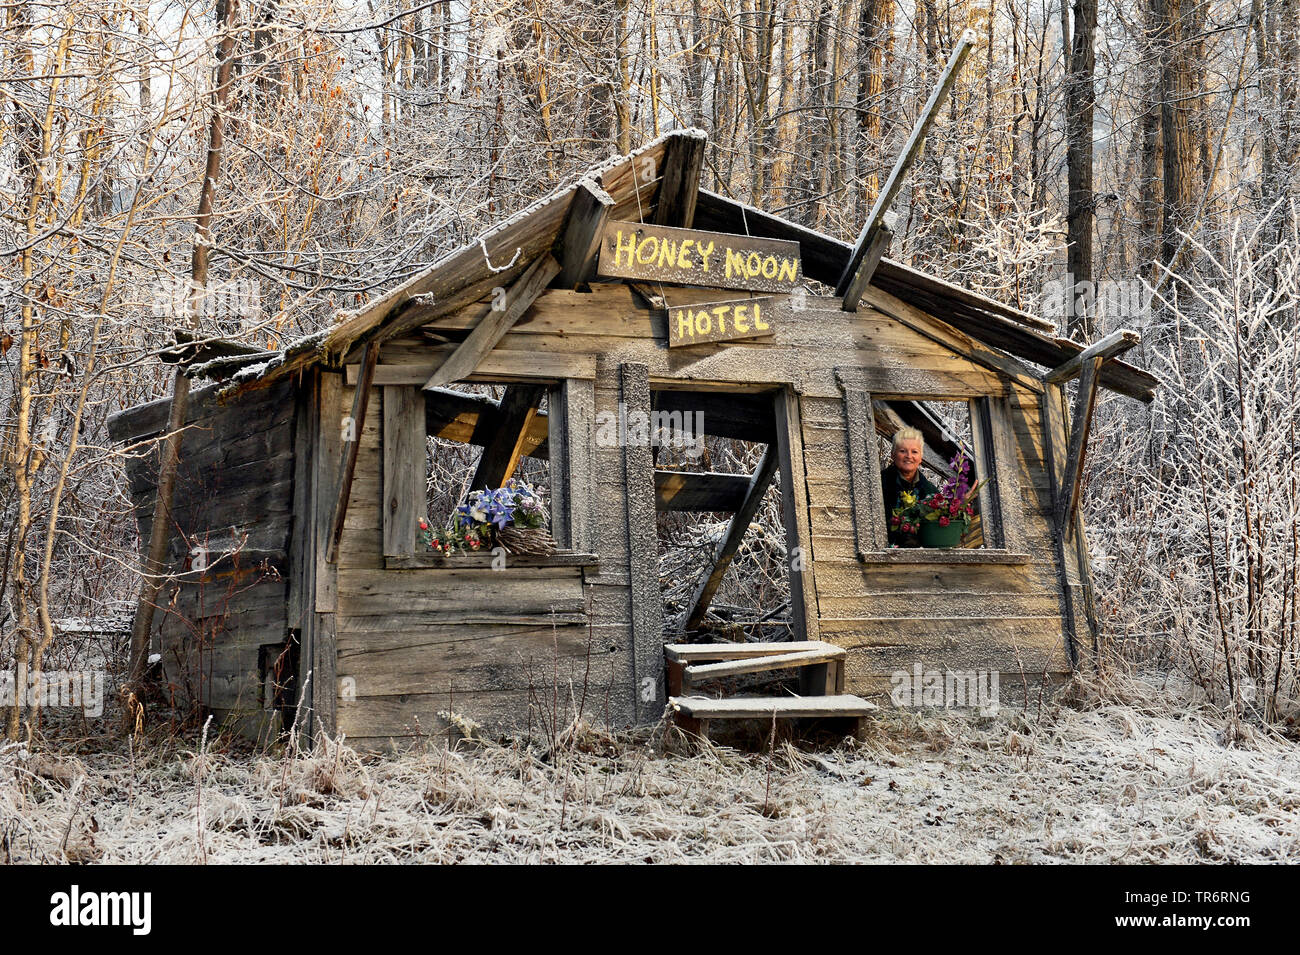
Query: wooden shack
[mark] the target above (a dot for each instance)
(298, 589)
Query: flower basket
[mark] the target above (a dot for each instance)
(512, 516)
(934, 534)
(526, 541)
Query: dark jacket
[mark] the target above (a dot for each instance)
(892, 485)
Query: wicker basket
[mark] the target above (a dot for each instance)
(527, 541)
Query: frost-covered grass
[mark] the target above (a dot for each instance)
(1134, 778)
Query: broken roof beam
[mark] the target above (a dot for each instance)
(491, 328)
(701, 492)
(858, 270)
(476, 419)
(758, 485)
(679, 184)
(1116, 343)
(501, 455)
(580, 241)
(876, 250)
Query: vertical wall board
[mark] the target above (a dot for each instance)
(643, 557)
(405, 452)
(794, 508)
(572, 410)
(302, 567)
(990, 502)
(864, 469)
(1056, 429)
(1005, 472)
(329, 450)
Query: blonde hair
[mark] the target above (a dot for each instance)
(908, 434)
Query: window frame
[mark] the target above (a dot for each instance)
(570, 432)
(1001, 510)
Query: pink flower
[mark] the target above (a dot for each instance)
(943, 522)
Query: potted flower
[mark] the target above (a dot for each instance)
(946, 515)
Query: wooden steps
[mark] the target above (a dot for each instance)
(821, 665)
(821, 683)
(694, 652)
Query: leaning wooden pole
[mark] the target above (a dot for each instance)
(867, 251)
(155, 563)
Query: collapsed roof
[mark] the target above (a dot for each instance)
(658, 183)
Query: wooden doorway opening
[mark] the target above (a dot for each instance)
(731, 565)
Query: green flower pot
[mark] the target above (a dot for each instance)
(935, 535)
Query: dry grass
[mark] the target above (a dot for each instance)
(1127, 776)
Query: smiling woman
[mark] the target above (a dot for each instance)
(903, 484)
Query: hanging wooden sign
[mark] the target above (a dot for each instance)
(634, 250)
(721, 321)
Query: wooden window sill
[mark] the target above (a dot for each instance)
(484, 561)
(943, 555)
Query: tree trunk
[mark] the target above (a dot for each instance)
(155, 561)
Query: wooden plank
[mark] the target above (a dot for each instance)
(909, 383)
(700, 672)
(646, 605)
(984, 468)
(329, 447)
(501, 455)
(1116, 343)
(696, 491)
(492, 326)
(499, 365)
(324, 661)
(782, 707)
(558, 559)
(1005, 473)
(869, 530)
(794, 510)
(694, 652)
(731, 541)
(580, 242)
(679, 184)
(405, 457)
(516, 590)
(1055, 442)
(851, 277)
(573, 520)
(302, 565)
(862, 278)
(351, 445)
(636, 250)
(1080, 427)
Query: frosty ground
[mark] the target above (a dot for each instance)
(1133, 777)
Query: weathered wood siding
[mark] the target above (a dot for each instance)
(1007, 616)
(508, 649)
(219, 630)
